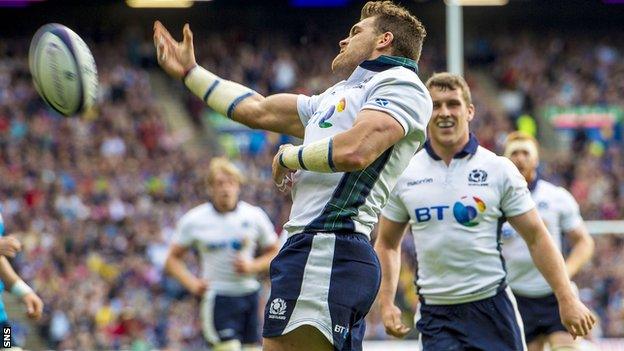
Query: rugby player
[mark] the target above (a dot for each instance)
(560, 213)
(455, 195)
(226, 232)
(358, 136)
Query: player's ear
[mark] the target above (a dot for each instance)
(471, 112)
(385, 40)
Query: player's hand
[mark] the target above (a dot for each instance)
(9, 246)
(391, 316)
(34, 305)
(577, 318)
(199, 287)
(282, 176)
(176, 58)
(244, 266)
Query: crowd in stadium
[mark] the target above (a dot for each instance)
(95, 200)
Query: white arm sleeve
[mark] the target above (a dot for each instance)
(570, 213)
(404, 98)
(516, 197)
(395, 208)
(307, 106)
(266, 230)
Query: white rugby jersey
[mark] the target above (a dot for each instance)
(220, 238)
(560, 213)
(351, 201)
(455, 212)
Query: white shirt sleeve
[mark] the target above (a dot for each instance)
(403, 97)
(266, 230)
(183, 235)
(516, 197)
(307, 106)
(570, 216)
(395, 208)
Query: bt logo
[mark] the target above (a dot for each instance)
(467, 211)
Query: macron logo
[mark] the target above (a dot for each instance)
(420, 181)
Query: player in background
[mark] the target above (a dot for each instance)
(9, 247)
(560, 213)
(227, 233)
(358, 136)
(455, 209)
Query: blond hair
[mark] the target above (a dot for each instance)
(520, 136)
(449, 81)
(409, 33)
(223, 165)
(521, 141)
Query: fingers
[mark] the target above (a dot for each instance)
(14, 243)
(593, 319)
(398, 331)
(285, 184)
(163, 41)
(10, 246)
(188, 35)
(161, 54)
(34, 307)
(573, 330)
(160, 29)
(394, 325)
(586, 326)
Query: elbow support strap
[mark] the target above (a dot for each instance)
(219, 94)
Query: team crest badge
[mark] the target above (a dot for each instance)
(277, 309)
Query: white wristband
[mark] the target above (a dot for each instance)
(20, 289)
(220, 94)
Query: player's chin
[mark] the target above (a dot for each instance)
(336, 63)
(445, 134)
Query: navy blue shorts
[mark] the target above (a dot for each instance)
(540, 316)
(491, 324)
(328, 281)
(230, 318)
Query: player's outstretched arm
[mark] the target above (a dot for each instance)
(33, 303)
(582, 249)
(388, 248)
(277, 113)
(175, 267)
(574, 315)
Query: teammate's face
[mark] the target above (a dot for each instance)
(225, 190)
(525, 162)
(356, 48)
(448, 126)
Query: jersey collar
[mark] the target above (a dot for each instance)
(385, 62)
(533, 184)
(469, 149)
(369, 68)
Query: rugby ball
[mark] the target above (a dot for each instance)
(63, 69)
